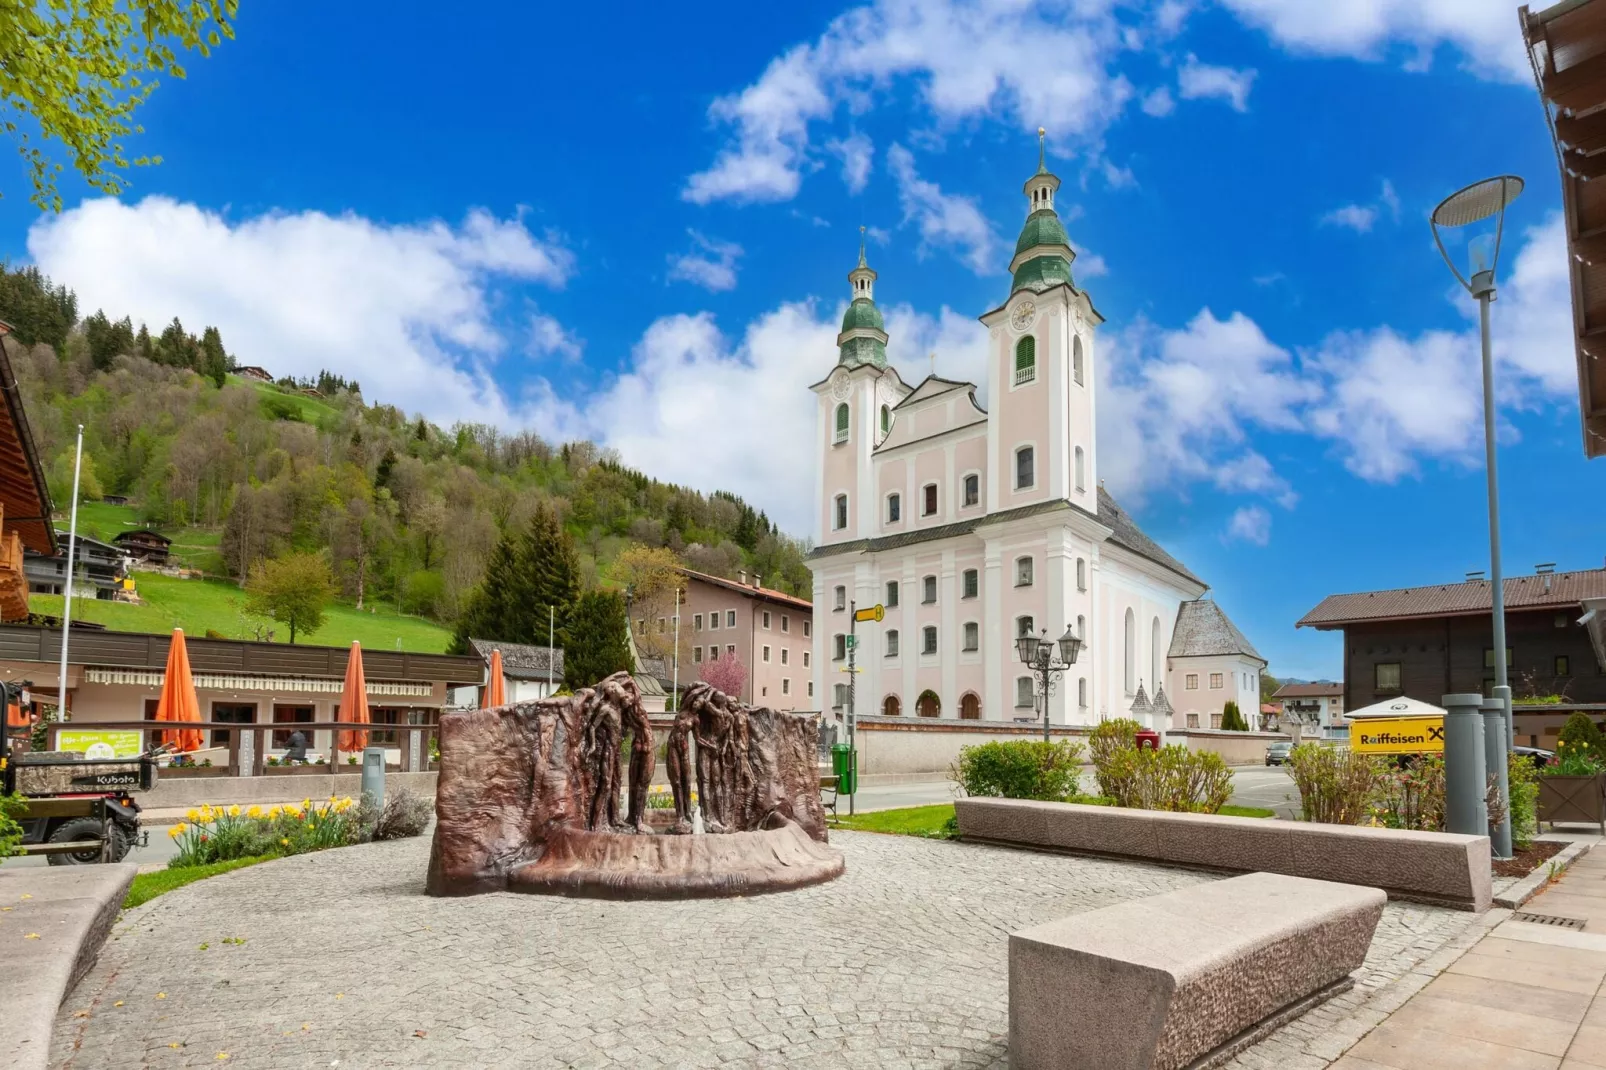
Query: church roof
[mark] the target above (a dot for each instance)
(862, 313)
(1042, 227)
(1124, 532)
(1042, 273)
(1203, 630)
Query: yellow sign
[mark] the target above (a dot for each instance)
(877, 614)
(1397, 735)
(104, 743)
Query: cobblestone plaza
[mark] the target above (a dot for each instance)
(346, 963)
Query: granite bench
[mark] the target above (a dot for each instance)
(1429, 867)
(1185, 979)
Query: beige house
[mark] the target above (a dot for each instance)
(770, 631)
(1209, 664)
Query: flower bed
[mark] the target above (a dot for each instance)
(222, 833)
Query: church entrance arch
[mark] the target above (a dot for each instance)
(928, 705)
(891, 707)
(970, 707)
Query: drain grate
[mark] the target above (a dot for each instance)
(1549, 919)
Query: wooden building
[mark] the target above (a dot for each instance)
(145, 545)
(24, 498)
(1428, 642)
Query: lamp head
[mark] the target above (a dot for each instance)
(1480, 203)
(1070, 646)
(1026, 648)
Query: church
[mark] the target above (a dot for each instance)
(974, 526)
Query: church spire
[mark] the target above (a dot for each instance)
(1043, 253)
(864, 337)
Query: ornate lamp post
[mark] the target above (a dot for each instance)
(1037, 654)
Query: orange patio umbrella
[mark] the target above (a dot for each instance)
(354, 702)
(495, 690)
(178, 701)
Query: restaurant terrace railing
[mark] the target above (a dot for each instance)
(249, 745)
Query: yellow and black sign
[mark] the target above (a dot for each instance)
(875, 613)
(1397, 735)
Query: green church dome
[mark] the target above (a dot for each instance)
(1041, 272)
(862, 313)
(1042, 227)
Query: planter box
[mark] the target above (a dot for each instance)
(1575, 799)
(194, 772)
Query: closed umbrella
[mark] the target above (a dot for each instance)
(178, 701)
(495, 690)
(354, 702)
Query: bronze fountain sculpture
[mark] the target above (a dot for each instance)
(529, 799)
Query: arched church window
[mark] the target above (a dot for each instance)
(1131, 666)
(1081, 470)
(1025, 360)
(1155, 654)
(1025, 469)
(891, 707)
(886, 419)
(842, 422)
(1076, 359)
(1081, 574)
(839, 518)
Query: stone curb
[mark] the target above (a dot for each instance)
(56, 920)
(1531, 885)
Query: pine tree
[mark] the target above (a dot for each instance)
(143, 344)
(214, 360)
(485, 615)
(546, 574)
(1231, 719)
(597, 647)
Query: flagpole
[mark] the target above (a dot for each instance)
(66, 611)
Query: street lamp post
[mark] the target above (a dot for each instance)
(1478, 203)
(1037, 654)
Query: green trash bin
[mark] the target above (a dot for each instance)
(845, 768)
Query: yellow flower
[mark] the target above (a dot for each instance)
(284, 842)
(192, 814)
(176, 831)
(234, 811)
(255, 811)
(273, 812)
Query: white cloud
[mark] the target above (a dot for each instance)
(857, 153)
(1088, 265)
(944, 220)
(1021, 61)
(1390, 200)
(548, 337)
(404, 309)
(711, 264)
(1199, 81)
(1250, 523)
(1484, 31)
(959, 342)
(1158, 103)
(1169, 17)
(1356, 217)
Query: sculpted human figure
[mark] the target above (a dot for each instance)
(678, 758)
(599, 755)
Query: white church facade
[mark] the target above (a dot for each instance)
(972, 526)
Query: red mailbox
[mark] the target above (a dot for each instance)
(1148, 739)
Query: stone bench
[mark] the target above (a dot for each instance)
(1185, 979)
(1429, 867)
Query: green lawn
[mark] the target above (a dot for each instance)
(102, 520)
(933, 822)
(311, 410)
(148, 886)
(199, 605)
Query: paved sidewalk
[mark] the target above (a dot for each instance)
(1526, 997)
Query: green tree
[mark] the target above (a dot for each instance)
(597, 646)
(1582, 734)
(79, 69)
(37, 309)
(292, 590)
(214, 361)
(1231, 719)
(546, 573)
(1269, 686)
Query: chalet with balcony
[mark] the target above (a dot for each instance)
(24, 498)
(144, 545)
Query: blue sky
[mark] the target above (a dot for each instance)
(640, 232)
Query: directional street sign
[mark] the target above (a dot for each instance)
(876, 613)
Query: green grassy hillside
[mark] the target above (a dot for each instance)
(197, 605)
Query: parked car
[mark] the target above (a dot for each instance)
(1277, 753)
(1537, 755)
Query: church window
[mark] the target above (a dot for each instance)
(1154, 653)
(839, 646)
(841, 598)
(929, 590)
(1081, 692)
(972, 636)
(1025, 361)
(928, 639)
(1081, 470)
(892, 643)
(886, 419)
(1025, 468)
(1215, 681)
(1023, 572)
(1023, 627)
(1023, 693)
(928, 500)
(1081, 627)
(1131, 637)
(842, 422)
(1191, 681)
(972, 489)
(839, 517)
(1076, 360)
(1081, 574)
(892, 594)
(841, 692)
(894, 508)
(971, 582)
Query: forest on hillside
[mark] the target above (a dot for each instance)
(405, 511)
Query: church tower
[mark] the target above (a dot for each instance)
(1040, 367)
(854, 414)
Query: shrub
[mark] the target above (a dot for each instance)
(1231, 719)
(1524, 784)
(12, 807)
(1336, 785)
(1171, 778)
(404, 814)
(1020, 769)
(1107, 740)
(1581, 739)
(1412, 797)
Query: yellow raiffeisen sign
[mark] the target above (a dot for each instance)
(1397, 735)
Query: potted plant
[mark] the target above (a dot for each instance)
(1573, 788)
